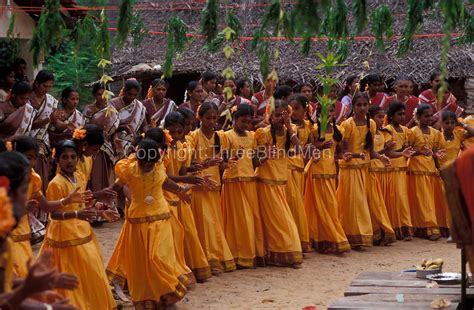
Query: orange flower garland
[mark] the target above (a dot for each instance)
(168, 138)
(149, 94)
(7, 220)
(79, 133)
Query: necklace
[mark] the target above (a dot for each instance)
(149, 199)
(72, 181)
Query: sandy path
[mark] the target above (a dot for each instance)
(322, 279)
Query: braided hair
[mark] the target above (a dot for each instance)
(280, 104)
(304, 102)
(336, 134)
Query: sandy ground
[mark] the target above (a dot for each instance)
(321, 280)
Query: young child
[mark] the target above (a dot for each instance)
(177, 158)
(206, 147)
(148, 240)
(383, 231)
(295, 185)
(273, 144)
(325, 229)
(454, 133)
(395, 181)
(422, 174)
(21, 235)
(71, 238)
(352, 191)
(240, 209)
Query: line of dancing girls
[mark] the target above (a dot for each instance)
(200, 200)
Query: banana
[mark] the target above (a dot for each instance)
(438, 262)
(433, 267)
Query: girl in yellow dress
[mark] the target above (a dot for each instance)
(325, 229)
(394, 183)
(273, 143)
(454, 134)
(71, 238)
(352, 191)
(295, 185)
(206, 147)
(383, 231)
(177, 158)
(422, 174)
(240, 209)
(21, 235)
(149, 260)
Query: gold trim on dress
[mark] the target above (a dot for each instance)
(326, 247)
(425, 232)
(306, 247)
(202, 274)
(21, 238)
(358, 166)
(377, 169)
(284, 258)
(422, 173)
(359, 240)
(149, 219)
(238, 179)
(396, 169)
(403, 232)
(270, 182)
(222, 266)
(245, 262)
(69, 243)
(324, 176)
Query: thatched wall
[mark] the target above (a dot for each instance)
(291, 65)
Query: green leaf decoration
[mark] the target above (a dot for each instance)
(216, 44)
(228, 32)
(263, 55)
(49, 30)
(103, 38)
(359, 11)
(228, 73)
(124, 21)
(176, 43)
(209, 20)
(233, 22)
(228, 51)
(138, 30)
(413, 20)
(381, 25)
(467, 35)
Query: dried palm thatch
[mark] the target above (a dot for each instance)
(423, 58)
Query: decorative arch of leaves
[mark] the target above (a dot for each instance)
(306, 19)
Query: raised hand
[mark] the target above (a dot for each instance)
(86, 214)
(408, 152)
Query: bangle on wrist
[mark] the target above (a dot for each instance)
(61, 202)
(293, 135)
(76, 214)
(48, 307)
(62, 215)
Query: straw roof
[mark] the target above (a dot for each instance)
(424, 57)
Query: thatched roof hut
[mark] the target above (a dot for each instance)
(144, 62)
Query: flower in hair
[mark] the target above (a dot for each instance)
(7, 220)
(233, 109)
(4, 182)
(122, 92)
(197, 112)
(310, 109)
(79, 133)
(289, 109)
(168, 138)
(149, 94)
(53, 152)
